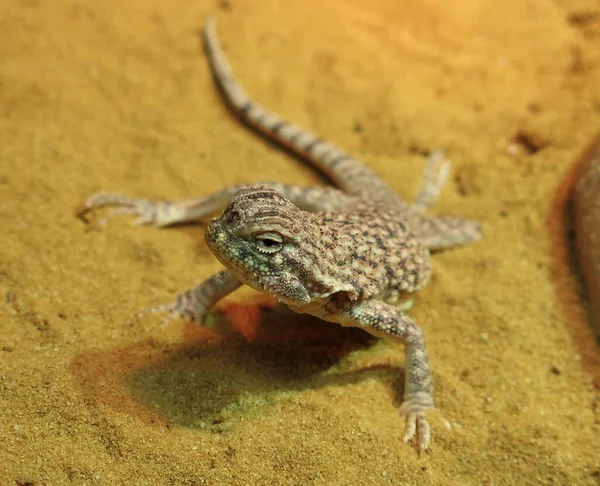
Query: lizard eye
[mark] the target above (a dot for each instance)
(268, 242)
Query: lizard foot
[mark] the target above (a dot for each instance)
(155, 213)
(413, 409)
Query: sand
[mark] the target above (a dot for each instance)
(116, 95)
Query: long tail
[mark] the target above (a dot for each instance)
(345, 172)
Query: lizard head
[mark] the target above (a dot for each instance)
(261, 238)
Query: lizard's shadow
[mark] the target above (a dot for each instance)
(213, 384)
(211, 380)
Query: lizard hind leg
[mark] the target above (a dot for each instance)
(443, 232)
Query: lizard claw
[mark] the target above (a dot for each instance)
(416, 424)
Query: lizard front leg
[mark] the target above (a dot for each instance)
(161, 213)
(166, 213)
(384, 320)
(194, 304)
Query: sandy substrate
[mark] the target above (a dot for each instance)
(116, 95)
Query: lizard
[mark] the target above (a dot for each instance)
(352, 254)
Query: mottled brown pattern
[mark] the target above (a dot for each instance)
(346, 255)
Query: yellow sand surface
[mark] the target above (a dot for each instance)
(117, 96)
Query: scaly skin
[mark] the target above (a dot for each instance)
(352, 255)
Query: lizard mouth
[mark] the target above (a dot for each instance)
(209, 232)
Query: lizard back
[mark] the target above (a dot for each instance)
(365, 250)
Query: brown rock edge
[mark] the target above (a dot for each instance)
(586, 206)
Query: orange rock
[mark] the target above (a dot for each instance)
(586, 205)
